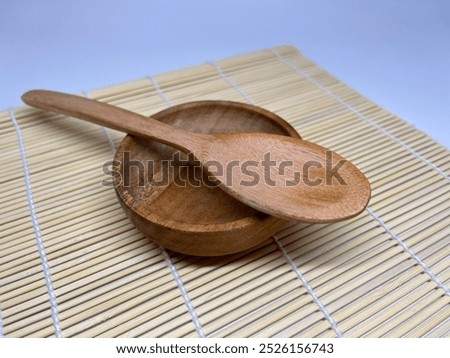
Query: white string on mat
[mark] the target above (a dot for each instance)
(173, 270)
(37, 230)
(409, 251)
(308, 288)
(232, 83)
(160, 92)
(280, 247)
(184, 294)
(360, 115)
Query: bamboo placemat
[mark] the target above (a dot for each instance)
(72, 264)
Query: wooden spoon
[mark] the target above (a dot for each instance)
(286, 177)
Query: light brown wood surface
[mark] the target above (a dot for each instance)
(282, 190)
(195, 220)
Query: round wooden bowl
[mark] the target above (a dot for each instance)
(164, 197)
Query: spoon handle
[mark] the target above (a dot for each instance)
(112, 117)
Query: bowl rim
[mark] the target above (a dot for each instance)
(153, 218)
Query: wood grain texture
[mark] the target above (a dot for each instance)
(195, 220)
(290, 178)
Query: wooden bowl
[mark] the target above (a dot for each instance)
(177, 210)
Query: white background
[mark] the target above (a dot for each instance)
(342, 348)
(397, 53)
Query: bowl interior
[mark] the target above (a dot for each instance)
(165, 189)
